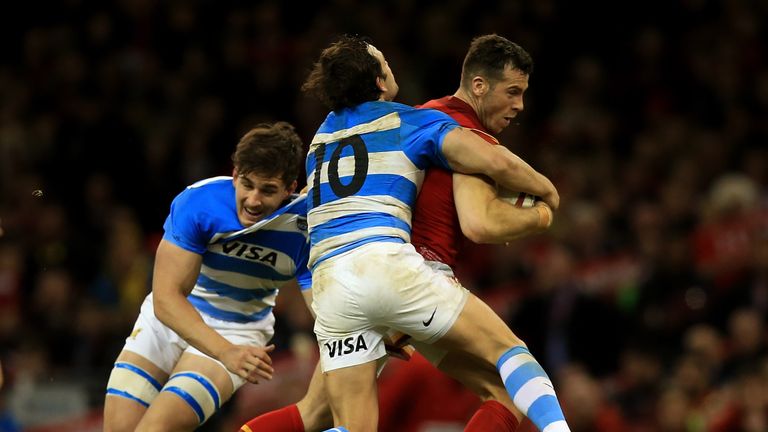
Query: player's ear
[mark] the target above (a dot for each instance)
(234, 175)
(381, 83)
(292, 187)
(479, 86)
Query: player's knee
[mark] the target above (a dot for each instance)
(315, 412)
(517, 342)
(197, 391)
(117, 426)
(508, 340)
(132, 382)
(495, 391)
(497, 345)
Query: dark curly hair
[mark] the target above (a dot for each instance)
(345, 75)
(488, 55)
(270, 150)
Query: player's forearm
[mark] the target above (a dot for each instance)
(467, 153)
(486, 218)
(500, 222)
(176, 312)
(507, 222)
(513, 173)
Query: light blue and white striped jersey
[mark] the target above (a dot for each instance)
(242, 268)
(365, 166)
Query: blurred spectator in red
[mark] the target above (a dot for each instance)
(746, 409)
(11, 273)
(415, 394)
(730, 221)
(585, 404)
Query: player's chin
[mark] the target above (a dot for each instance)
(248, 219)
(499, 125)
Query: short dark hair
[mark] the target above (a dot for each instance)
(345, 75)
(488, 55)
(271, 150)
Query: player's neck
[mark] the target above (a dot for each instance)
(468, 98)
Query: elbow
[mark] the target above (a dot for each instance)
(502, 168)
(161, 308)
(476, 232)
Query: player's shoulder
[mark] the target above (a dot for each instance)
(397, 106)
(209, 186)
(296, 205)
(206, 193)
(211, 182)
(425, 115)
(439, 104)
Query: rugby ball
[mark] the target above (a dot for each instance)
(517, 199)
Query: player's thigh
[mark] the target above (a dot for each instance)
(314, 408)
(353, 396)
(343, 326)
(196, 389)
(405, 293)
(480, 332)
(133, 384)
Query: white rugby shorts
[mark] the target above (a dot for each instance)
(159, 344)
(359, 295)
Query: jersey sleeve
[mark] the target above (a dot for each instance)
(423, 131)
(184, 225)
(303, 274)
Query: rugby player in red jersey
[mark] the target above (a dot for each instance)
(450, 205)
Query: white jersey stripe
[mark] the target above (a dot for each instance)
(355, 204)
(237, 279)
(227, 305)
(208, 180)
(276, 223)
(387, 122)
(329, 245)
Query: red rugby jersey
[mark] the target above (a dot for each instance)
(436, 233)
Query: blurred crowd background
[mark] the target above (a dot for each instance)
(646, 302)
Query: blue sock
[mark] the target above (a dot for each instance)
(337, 429)
(531, 390)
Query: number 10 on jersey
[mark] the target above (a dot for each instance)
(339, 189)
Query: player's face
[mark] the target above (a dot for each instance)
(258, 197)
(387, 84)
(503, 100)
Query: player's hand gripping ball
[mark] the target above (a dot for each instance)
(518, 199)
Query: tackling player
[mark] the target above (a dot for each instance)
(494, 78)
(230, 243)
